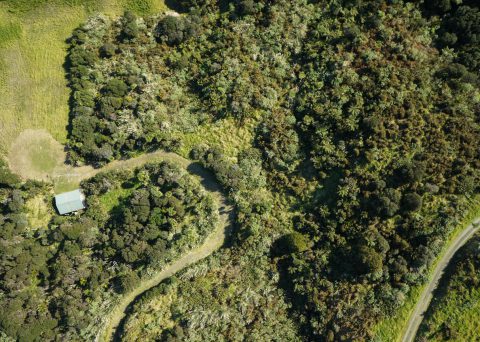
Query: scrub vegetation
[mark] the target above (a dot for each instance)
(344, 132)
(365, 139)
(61, 278)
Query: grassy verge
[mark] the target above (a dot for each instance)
(226, 133)
(391, 328)
(454, 317)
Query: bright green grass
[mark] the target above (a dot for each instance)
(22, 6)
(33, 88)
(226, 133)
(33, 33)
(9, 32)
(391, 328)
(137, 6)
(461, 311)
(144, 7)
(65, 184)
(113, 198)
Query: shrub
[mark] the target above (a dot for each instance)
(128, 282)
(293, 243)
(116, 87)
(411, 201)
(108, 50)
(7, 178)
(175, 30)
(130, 28)
(247, 7)
(80, 56)
(371, 261)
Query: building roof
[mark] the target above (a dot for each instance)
(69, 201)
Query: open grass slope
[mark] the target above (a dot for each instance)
(33, 33)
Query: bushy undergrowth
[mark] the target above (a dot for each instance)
(370, 148)
(124, 98)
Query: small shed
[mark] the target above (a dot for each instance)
(69, 202)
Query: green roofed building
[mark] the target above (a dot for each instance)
(69, 202)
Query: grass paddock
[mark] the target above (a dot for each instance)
(33, 86)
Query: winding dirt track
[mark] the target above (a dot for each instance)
(214, 241)
(426, 296)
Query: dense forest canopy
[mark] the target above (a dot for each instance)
(365, 156)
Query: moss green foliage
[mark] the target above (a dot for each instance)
(217, 299)
(454, 311)
(374, 110)
(121, 100)
(460, 30)
(64, 274)
(175, 30)
(390, 328)
(292, 243)
(201, 305)
(143, 7)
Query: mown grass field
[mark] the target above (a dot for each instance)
(33, 33)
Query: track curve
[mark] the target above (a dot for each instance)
(426, 296)
(214, 241)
